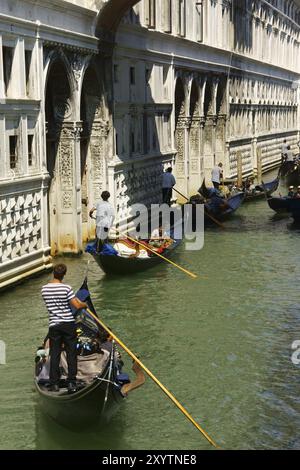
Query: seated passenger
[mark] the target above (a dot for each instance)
(234, 188)
(224, 191)
(159, 234)
(291, 192)
(297, 195)
(216, 203)
(252, 186)
(130, 250)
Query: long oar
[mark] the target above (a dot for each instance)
(206, 213)
(149, 373)
(194, 276)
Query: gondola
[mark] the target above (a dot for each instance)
(98, 398)
(279, 204)
(123, 266)
(234, 203)
(294, 208)
(262, 190)
(287, 205)
(290, 172)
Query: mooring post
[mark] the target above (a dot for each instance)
(240, 169)
(259, 165)
(2, 353)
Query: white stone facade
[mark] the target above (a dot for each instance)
(94, 98)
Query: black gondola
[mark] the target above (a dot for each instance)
(234, 202)
(279, 204)
(95, 400)
(290, 171)
(120, 265)
(262, 190)
(288, 205)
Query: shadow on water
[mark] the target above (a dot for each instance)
(52, 436)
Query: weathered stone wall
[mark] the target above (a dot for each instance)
(91, 99)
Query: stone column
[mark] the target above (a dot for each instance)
(65, 207)
(180, 144)
(97, 164)
(195, 159)
(220, 139)
(239, 162)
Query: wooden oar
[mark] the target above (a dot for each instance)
(194, 276)
(152, 376)
(205, 211)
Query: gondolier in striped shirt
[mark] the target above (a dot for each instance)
(59, 298)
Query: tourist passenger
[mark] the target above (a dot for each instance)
(216, 203)
(234, 188)
(105, 216)
(168, 182)
(59, 298)
(159, 234)
(291, 192)
(252, 186)
(217, 175)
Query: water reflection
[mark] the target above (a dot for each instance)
(220, 343)
(51, 436)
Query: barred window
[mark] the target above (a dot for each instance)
(30, 150)
(13, 140)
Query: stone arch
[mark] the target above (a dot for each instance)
(221, 96)
(208, 98)
(195, 157)
(111, 15)
(194, 99)
(181, 134)
(58, 56)
(60, 152)
(180, 100)
(94, 116)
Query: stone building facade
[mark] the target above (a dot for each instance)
(105, 94)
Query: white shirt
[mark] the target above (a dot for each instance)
(216, 174)
(156, 234)
(290, 156)
(284, 149)
(126, 251)
(168, 180)
(105, 215)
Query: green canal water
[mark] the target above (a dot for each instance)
(221, 344)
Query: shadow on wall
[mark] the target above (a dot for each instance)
(242, 22)
(143, 142)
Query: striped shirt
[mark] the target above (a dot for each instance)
(57, 298)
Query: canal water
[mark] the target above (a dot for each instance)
(221, 344)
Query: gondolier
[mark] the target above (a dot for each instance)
(59, 298)
(168, 182)
(105, 216)
(216, 175)
(284, 150)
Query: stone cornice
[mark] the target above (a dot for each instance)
(188, 62)
(63, 6)
(12, 26)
